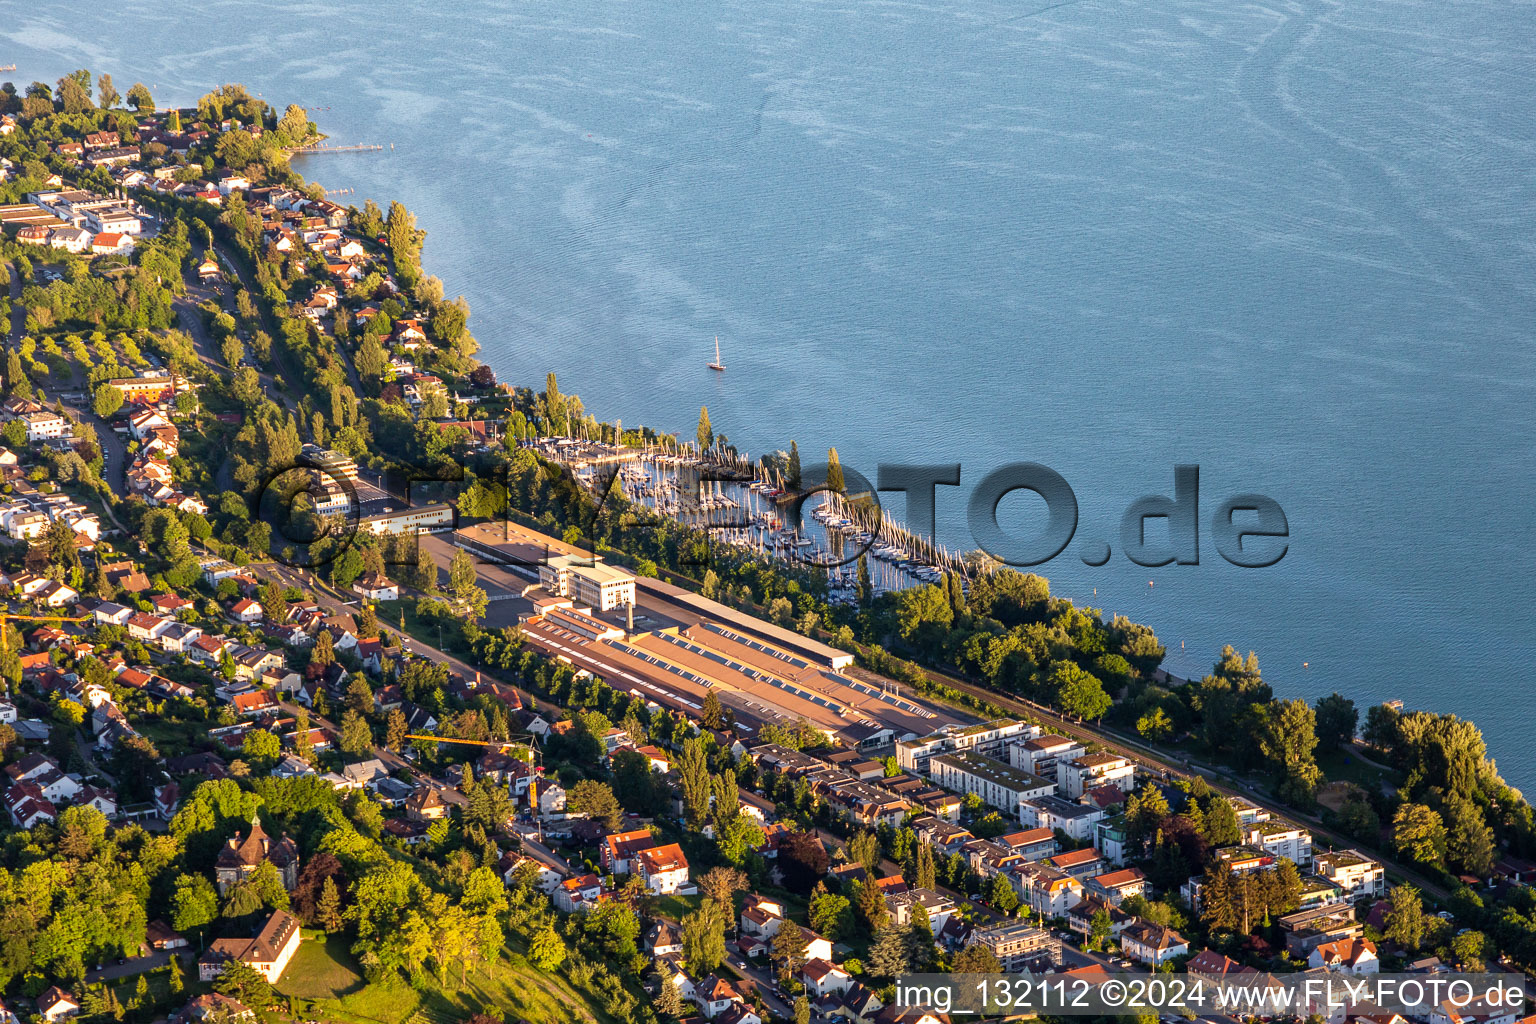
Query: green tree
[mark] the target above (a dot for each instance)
(864, 849)
(1155, 725)
(328, 909)
(829, 914)
(395, 729)
(976, 960)
(356, 737)
(1288, 741)
(706, 433)
(241, 981)
(694, 782)
(1100, 927)
(835, 481)
(713, 715)
(1221, 824)
(924, 872)
(595, 799)
(1146, 810)
(107, 402)
(1469, 842)
(1079, 693)
(703, 937)
(669, 1002)
(787, 950)
(106, 94)
(1336, 720)
(1418, 833)
(16, 381)
(194, 903)
(261, 747)
(546, 950)
(1471, 950)
(140, 99)
(1002, 895)
(1405, 919)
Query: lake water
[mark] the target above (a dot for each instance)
(1290, 242)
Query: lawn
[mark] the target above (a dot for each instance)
(323, 968)
(675, 907)
(1345, 765)
(326, 975)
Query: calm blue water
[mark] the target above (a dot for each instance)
(1291, 242)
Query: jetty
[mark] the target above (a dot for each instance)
(748, 505)
(321, 148)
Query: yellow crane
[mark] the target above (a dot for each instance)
(6, 617)
(498, 744)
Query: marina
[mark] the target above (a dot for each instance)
(753, 509)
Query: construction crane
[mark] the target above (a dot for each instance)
(498, 744)
(6, 617)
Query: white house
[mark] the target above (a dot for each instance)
(1150, 943)
(1352, 871)
(1346, 956)
(664, 868)
(824, 978)
(374, 587)
(56, 1004)
(246, 610)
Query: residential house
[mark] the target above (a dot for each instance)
(56, 1004)
(239, 858)
(903, 907)
(1358, 875)
(267, 954)
(425, 804)
(1045, 890)
(373, 587)
(997, 784)
(822, 978)
(618, 849)
(664, 868)
(1152, 944)
(1116, 886)
(578, 893)
(1080, 864)
(1052, 812)
(246, 610)
(1355, 956)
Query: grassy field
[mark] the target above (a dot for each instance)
(323, 968)
(1345, 765)
(325, 975)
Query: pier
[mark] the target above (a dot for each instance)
(360, 147)
(745, 505)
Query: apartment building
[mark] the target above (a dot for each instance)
(1090, 771)
(1358, 875)
(1281, 840)
(1019, 945)
(989, 739)
(1041, 754)
(997, 784)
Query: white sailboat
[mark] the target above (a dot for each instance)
(717, 364)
